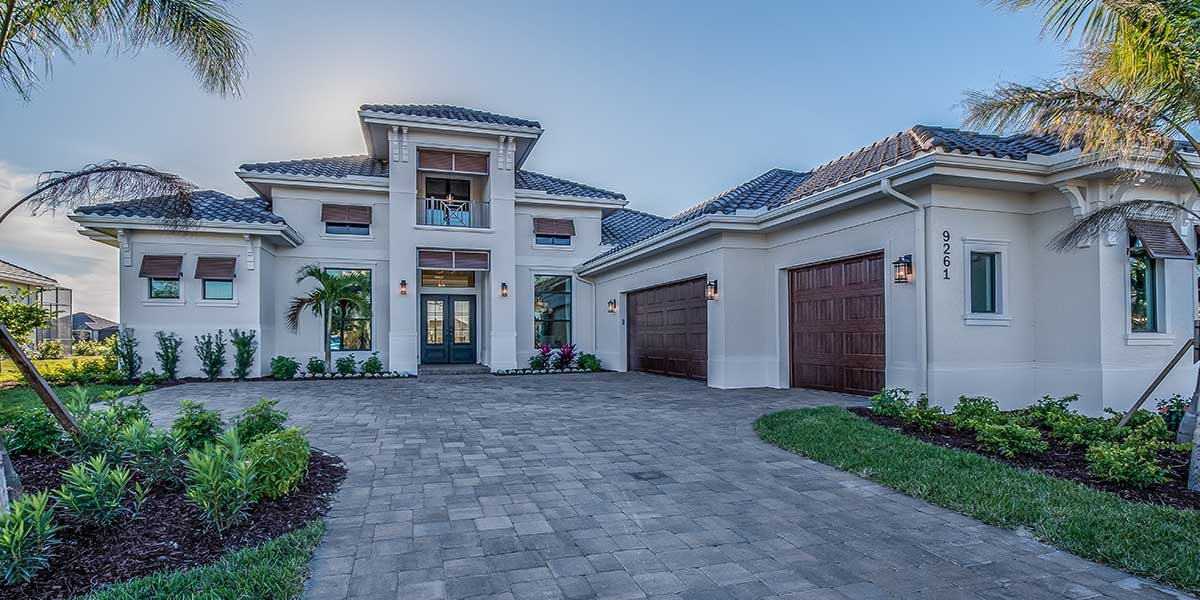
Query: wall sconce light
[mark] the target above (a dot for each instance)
(503, 290)
(903, 268)
(403, 287)
(710, 290)
(612, 306)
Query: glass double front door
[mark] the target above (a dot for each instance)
(447, 329)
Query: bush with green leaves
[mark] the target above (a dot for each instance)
(1130, 463)
(315, 366)
(220, 481)
(244, 347)
(87, 348)
(196, 425)
(27, 538)
(34, 432)
(151, 453)
(280, 462)
(49, 350)
(345, 365)
(890, 402)
(94, 436)
(972, 412)
(123, 410)
(1049, 406)
(153, 378)
(921, 416)
(78, 399)
(1077, 430)
(284, 367)
(210, 349)
(588, 362)
(129, 362)
(93, 491)
(1010, 439)
(372, 366)
(263, 418)
(168, 353)
(1172, 410)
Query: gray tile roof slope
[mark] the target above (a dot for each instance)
(627, 224)
(761, 191)
(453, 113)
(529, 180)
(85, 320)
(359, 165)
(207, 205)
(11, 272)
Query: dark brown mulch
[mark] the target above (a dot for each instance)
(1061, 461)
(168, 533)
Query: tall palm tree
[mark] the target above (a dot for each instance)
(201, 32)
(335, 293)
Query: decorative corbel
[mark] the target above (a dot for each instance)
(126, 248)
(394, 143)
(1192, 203)
(500, 155)
(1076, 195)
(249, 251)
(512, 152)
(404, 144)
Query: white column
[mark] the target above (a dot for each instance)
(404, 330)
(502, 324)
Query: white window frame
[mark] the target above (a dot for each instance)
(1001, 317)
(533, 275)
(148, 300)
(1163, 336)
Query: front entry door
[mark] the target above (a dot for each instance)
(447, 329)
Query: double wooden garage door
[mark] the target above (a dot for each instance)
(837, 326)
(668, 330)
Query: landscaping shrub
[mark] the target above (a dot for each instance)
(78, 399)
(345, 365)
(315, 365)
(87, 348)
(1172, 410)
(151, 453)
(280, 462)
(890, 402)
(196, 425)
(261, 419)
(1133, 464)
(1077, 430)
(83, 372)
(211, 351)
(1152, 430)
(565, 357)
(34, 432)
(27, 538)
(168, 354)
(588, 362)
(129, 362)
(922, 416)
(220, 481)
(92, 491)
(123, 410)
(1046, 407)
(244, 347)
(372, 366)
(972, 412)
(284, 367)
(541, 360)
(49, 350)
(153, 378)
(94, 437)
(1010, 440)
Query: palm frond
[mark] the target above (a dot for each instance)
(1114, 218)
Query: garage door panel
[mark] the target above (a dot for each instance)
(668, 330)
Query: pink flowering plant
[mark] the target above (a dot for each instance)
(541, 360)
(565, 357)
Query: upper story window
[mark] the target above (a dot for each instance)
(163, 273)
(216, 275)
(1150, 244)
(553, 232)
(445, 188)
(346, 219)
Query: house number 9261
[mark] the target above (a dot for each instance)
(945, 255)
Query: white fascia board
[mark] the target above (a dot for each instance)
(538, 197)
(36, 282)
(389, 119)
(283, 230)
(344, 183)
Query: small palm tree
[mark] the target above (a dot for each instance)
(335, 293)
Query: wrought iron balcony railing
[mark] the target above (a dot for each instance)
(453, 213)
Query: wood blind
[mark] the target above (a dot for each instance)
(161, 267)
(457, 162)
(474, 261)
(348, 214)
(215, 267)
(543, 226)
(1160, 239)
(435, 259)
(462, 260)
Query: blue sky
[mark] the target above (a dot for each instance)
(668, 102)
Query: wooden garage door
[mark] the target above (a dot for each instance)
(837, 329)
(668, 330)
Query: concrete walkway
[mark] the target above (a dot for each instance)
(623, 486)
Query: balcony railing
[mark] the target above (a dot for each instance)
(453, 213)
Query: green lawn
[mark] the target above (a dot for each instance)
(9, 371)
(274, 570)
(1144, 539)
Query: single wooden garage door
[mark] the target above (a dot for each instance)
(668, 330)
(837, 328)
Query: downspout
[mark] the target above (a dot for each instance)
(922, 282)
(595, 315)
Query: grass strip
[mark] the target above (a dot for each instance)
(1157, 542)
(272, 570)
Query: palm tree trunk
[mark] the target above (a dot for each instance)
(1193, 482)
(325, 340)
(1187, 426)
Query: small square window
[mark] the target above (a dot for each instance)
(553, 240)
(347, 229)
(164, 288)
(984, 282)
(218, 289)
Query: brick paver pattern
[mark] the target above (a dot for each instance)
(623, 486)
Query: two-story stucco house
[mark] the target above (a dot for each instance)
(918, 261)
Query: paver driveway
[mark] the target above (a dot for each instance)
(623, 486)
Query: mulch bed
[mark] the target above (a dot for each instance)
(168, 533)
(1061, 461)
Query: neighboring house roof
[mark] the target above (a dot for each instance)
(207, 205)
(334, 166)
(528, 180)
(14, 274)
(83, 320)
(626, 224)
(450, 113)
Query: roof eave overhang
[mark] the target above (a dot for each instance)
(283, 232)
(539, 197)
(261, 182)
(35, 282)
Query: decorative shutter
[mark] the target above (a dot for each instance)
(435, 259)
(438, 160)
(358, 215)
(457, 162)
(542, 226)
(470, 163)
(473, 261)
(215, 267)
(161, 267)
(1160, 239)
(335, 213)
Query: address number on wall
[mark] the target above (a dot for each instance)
(945, 254)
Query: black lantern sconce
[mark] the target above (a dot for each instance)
(503, 290)
(903, 268)
(710, 290)
(403, 287)
(612, 306)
